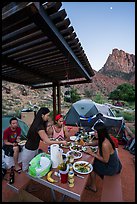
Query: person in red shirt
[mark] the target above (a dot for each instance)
(11, 137)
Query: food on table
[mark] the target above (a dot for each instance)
(49, 177)
(80, 167)
(66, 146)
(74, 153)
(76, 147)
(94, 149)
(62, 166)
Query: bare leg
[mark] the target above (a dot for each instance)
(15, 157)
(93, 180)
(91, 185)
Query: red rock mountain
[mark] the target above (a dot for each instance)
(118, 69)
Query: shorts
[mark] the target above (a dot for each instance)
(27, 156)
(8, 149)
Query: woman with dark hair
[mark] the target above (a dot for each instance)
(106, 160)
(37, 132)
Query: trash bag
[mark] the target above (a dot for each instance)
(40, 165)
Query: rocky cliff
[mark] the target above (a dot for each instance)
(120, 64)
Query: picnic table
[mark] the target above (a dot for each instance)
(79, 183)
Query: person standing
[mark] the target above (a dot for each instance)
(37, 132)
(11, 137)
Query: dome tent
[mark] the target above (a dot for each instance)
(86, 112)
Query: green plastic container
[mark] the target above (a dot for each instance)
(34, 166)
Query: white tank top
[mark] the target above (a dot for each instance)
(58, 135)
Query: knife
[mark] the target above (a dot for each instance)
(79, 176)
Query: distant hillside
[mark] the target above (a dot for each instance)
(118, 69)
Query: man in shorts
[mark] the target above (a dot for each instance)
(11, 137)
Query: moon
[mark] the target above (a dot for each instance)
(111, 8)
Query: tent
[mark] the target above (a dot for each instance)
(86, 113)
(24, 127)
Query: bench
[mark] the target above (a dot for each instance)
(19, 186)
(112, 189)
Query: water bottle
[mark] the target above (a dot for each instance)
(11, 180)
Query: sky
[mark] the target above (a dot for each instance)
(101, 27)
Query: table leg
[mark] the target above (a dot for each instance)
(53, 196)
(63, 197)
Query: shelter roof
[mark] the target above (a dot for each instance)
(40, 47)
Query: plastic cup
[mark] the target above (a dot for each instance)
(63, 176)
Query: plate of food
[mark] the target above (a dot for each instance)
(73, 138)
(76, 148)
(66, 146)
(82, 167)
(94, 149)
(76, 154)
(22, 142)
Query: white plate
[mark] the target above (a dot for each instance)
(82, 162)
(73, 138)
(21, 143)
(76, 154)
(76, 148)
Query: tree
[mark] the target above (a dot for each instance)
(125, 92)
(73, 96)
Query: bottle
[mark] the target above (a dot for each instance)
(49, 149)
(11, 180)
(71, 178)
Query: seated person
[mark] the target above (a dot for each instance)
(58, 130)
(106, 160)
(11, 137)
(129, 137)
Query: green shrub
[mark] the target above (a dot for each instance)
(125, 92)
(126, 115)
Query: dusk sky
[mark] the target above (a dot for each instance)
(101, 27)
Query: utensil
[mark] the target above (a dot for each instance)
(79, 175)
(92, 138)
(86, 164)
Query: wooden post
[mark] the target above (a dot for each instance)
(54, 101)
(59, 97)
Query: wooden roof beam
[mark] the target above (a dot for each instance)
(42, 20)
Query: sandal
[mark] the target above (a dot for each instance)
(90, 189)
